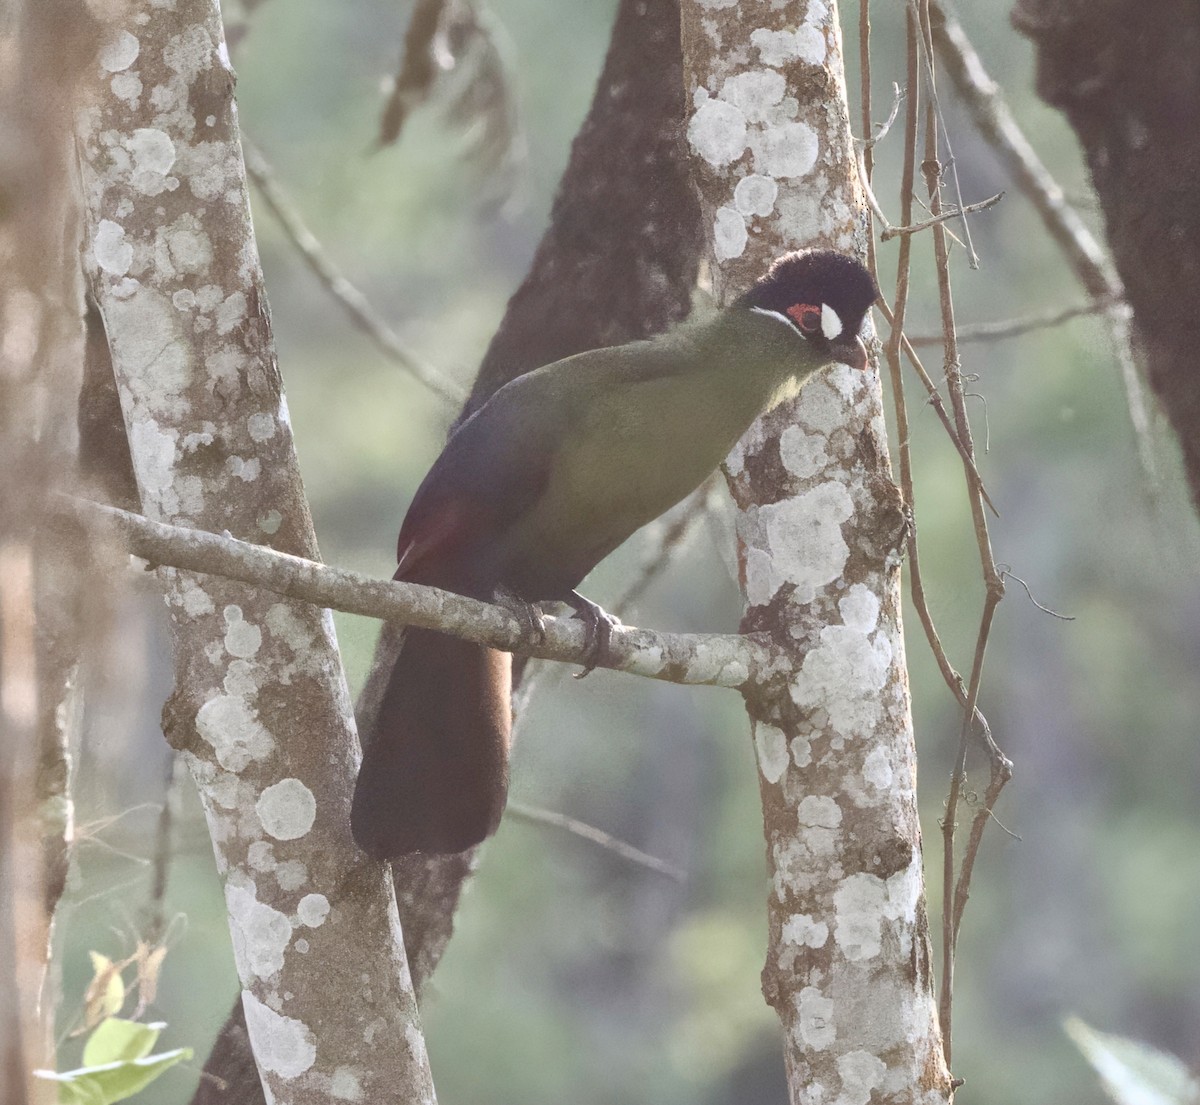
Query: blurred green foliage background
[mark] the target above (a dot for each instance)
(574, 976)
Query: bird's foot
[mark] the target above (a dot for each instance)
(598, 623)
(533, 624)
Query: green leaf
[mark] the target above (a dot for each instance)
(1134, 1073)
(115, 1039)
(109, 1082)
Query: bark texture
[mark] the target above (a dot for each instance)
(819, 524)
(260, 711)
(1127, 78)
(619, 259)
(46, 45)
(618, 262)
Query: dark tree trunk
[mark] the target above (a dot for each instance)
(1127, 76)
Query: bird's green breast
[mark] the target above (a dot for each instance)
(645, 429)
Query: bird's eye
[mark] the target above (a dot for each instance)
(807, 317)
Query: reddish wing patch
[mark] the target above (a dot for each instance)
(432, 536)
(807, 317)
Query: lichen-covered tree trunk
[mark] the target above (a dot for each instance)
(260, 708)
(624, 239)
(1127, 77)
(819, 525)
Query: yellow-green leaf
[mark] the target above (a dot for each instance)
(110, 1082)
(115, 1040)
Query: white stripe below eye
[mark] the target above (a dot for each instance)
(831, 324)
(774, 314)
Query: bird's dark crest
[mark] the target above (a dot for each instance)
(817, 277)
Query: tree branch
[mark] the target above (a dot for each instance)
(890, 231)
(711, 659)
(581, 829)
(355, 304)
(1016, 327)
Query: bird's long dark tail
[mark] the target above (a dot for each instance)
(434, 776)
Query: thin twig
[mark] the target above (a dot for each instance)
(935, 401)
(1001, 775)
(164, 852)
(864, 76)
(355, 304)
(723, 660)
(956, 884)
(937, 122)
(1016, 327)
(538, 816)
(1086, 256)
(890, 232)
(881, 129)
(1007, 573)
(896, 342)
(875, 207)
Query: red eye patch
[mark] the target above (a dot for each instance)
(807, 317)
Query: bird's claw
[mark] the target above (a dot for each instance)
(533, 624)
(598, 627)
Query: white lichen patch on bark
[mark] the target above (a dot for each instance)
(261, 933)
(755, 195)
(751, 112)
(270, 522)
(864, 903)
(194, 599)
(240, 677)
(260, 427)
(771, 745)
(729, 233)
(312, 910)
(153, 155)
(345, 1085)
(112, 252)
(119, 52)
(283, 1045)
(862, 1073)
(287, 809)
(802, 931)
(797, 541)
(846, 673)
(806, 43)
(241, 638)
(814, 1024)
(291, 874)
(233, 728)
